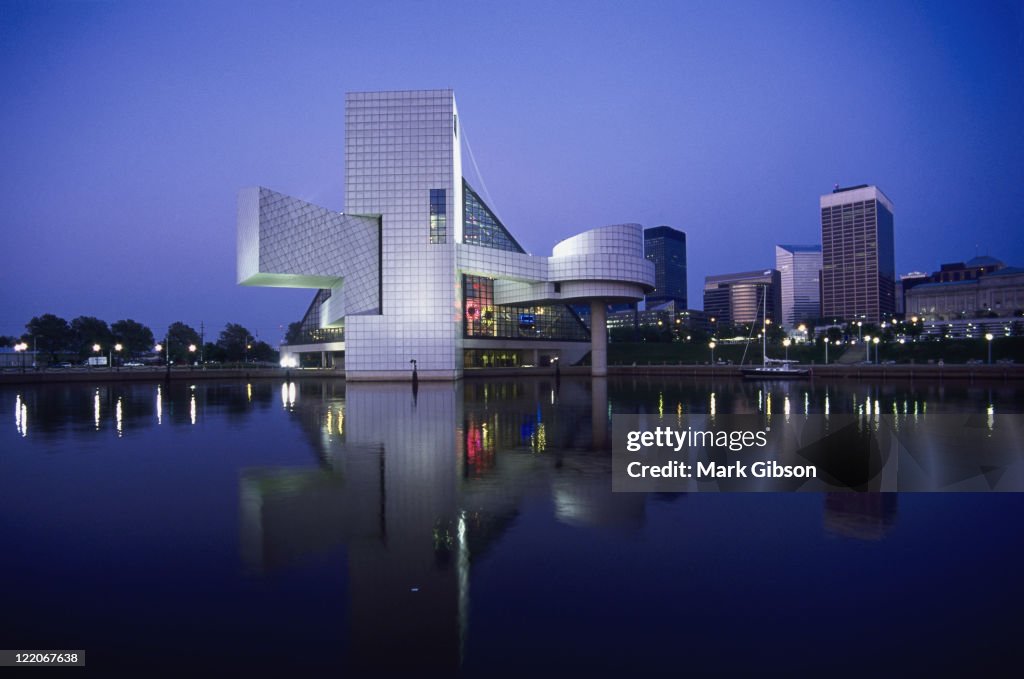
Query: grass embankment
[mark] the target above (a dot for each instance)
(689, 353)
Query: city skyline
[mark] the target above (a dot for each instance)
(137, 123)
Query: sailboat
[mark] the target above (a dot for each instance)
(772, 368)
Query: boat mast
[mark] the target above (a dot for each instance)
(764, 328)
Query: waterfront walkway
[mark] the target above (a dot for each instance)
(872, 373)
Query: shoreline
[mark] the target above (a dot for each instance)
(874, 373)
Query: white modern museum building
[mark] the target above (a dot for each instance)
(418, 271)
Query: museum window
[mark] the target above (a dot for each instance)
(438, 217)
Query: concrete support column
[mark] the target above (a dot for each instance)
(323, 359)
(598, 338)
(599, 413)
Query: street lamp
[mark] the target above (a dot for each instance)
(117, 348)
(192, 351)
(711, 345)
(786, 342)
(867, 348)
(826, 349)
(20, 347)
(875, 340)
(988, 339)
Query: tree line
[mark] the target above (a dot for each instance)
(58, 339)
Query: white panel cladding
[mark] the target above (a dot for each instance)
(332, 311)
(399, 146)
(514, 292)
(297, 244)
(248, 234)
(610, 253)
(618, 239)
(494, 263)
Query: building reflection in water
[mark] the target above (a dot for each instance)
(415, 489)
(415, 492)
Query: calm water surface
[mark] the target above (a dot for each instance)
(314, 526)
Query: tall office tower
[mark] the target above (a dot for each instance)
(858, 272)
(800, 272)
(666, 247)
(740, 297)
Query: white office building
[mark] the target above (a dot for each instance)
(418, 270)
(799, 269)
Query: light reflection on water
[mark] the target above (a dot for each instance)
(431, 511)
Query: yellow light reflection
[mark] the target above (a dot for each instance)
(248, 392)
(712, 407)
(341, 420)
(192, 408)
(661, 404)
(20, 416)
(118, 417)
(159, 405)
(96, 409)
(540, 439)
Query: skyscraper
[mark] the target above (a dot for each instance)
(800, 273)
(858, 272)
(739, 298)
(666, 247)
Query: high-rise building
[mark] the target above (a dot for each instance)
(666, 247)
(799, 269)
(740, 297)
(858, 272)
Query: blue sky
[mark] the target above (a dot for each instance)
(129, 127)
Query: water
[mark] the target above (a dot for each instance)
(311, 526)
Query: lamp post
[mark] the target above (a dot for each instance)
(826, 348)
(118, 347)
(711, 345)
(988, 339)
(786, 342)
(165, 347)
(875, 340)
(96, 348)
(867, 348)
(192, 350)
(20, 347)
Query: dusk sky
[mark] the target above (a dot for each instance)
(128, 129)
